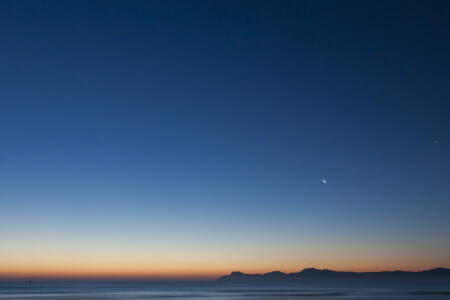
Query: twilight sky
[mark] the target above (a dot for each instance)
(188, 139)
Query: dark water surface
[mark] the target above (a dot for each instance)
(320, 290)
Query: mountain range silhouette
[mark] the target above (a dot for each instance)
(312, 273)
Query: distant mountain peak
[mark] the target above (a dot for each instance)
(310, 270)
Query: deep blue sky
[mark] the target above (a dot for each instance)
(214, 122)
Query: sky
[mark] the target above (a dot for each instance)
(189, 139)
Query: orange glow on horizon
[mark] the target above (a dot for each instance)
(83, 261)
(116, 274)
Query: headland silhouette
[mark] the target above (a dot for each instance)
(312, 273)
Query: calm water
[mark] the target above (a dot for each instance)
(336, 290)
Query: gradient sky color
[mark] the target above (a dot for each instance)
(188, 139)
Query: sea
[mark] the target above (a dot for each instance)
(211, 290)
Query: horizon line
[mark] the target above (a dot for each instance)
(11, 277)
